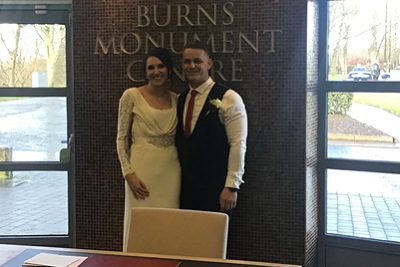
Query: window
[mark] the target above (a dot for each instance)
(360, 151)
(36, 124)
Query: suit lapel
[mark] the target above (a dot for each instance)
(181, 104)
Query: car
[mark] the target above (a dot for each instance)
(359, 69)
(390, 76)
(359, 76)
(384, 76)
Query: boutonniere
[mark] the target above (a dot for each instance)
(215, 104)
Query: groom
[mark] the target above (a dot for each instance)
(211, 136)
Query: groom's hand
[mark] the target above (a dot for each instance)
(227, 199)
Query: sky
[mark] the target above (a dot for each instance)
(362, 21)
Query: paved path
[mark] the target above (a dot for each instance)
(364, 216)
(34, 203)
(367, 205)
(377, 118)
(34, 128)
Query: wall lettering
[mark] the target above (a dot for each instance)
(185, 15)
(230, 41)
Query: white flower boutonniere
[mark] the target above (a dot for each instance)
(215, 104)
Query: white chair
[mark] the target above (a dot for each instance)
(178, 232)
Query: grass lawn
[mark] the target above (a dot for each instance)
(386, 101)
(9, 98)
(337, 77)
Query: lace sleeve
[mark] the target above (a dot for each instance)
(125, 120)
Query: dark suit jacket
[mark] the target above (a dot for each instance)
(203, 156)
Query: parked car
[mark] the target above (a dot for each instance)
(359, 76)
(359, 69)
(393, 75)
(384, 77)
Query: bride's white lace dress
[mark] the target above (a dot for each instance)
(152, 155)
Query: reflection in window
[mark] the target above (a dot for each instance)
(32, 55)
(364, 37)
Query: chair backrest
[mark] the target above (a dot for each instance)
(178, 232)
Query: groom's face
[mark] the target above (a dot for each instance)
(195, 65)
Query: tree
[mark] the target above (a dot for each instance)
(341, 15)
(32, 48)
(53, 37)
(14, 57)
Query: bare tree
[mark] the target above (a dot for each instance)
(392, 36)
(29, 52)
(373, 50)
(13, 53)
(341, 15)
(384, 47)
(53, 37)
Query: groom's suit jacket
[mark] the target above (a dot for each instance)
(203, 155)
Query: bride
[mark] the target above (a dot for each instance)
(146, 139)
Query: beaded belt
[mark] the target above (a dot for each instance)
(161, 141)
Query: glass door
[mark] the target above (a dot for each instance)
(36, 125)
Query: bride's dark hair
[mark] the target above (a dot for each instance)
(163, 55)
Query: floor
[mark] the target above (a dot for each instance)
(25, 212)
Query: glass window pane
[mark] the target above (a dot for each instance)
(364, 40)
(32, 55)
(32, 128)
(363, 204)
(34, 203)
(364, 126)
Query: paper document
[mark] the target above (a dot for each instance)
(54, 260)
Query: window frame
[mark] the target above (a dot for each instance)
(324, 163)
(58, 13)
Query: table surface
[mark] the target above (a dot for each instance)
(10, 253)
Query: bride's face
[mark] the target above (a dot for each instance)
(156, 72)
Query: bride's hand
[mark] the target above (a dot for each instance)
(138, 188)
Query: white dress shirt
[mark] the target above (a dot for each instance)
(233, 116)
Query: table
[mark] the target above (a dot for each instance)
(14, 255)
